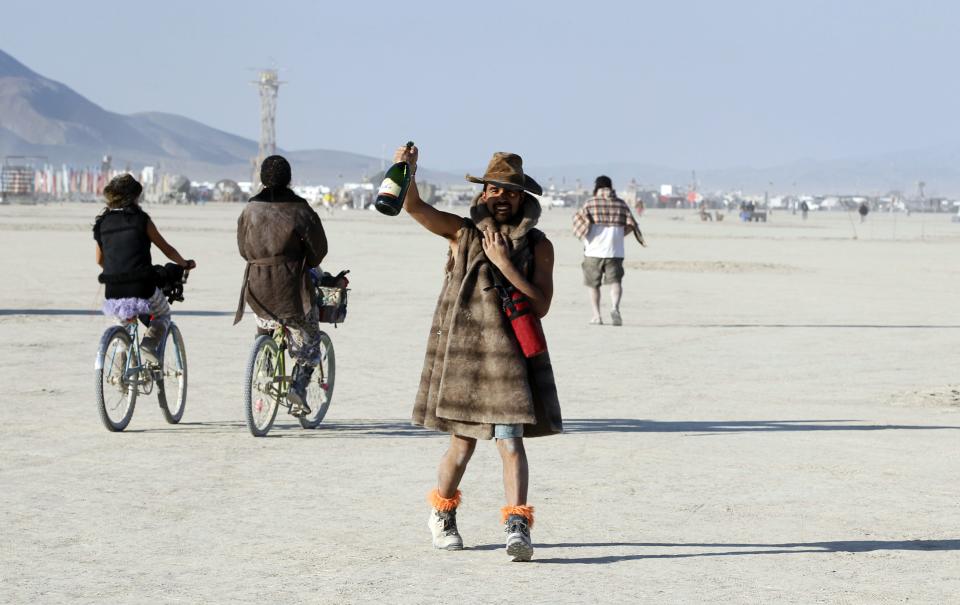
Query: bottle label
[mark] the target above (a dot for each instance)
(389, 187)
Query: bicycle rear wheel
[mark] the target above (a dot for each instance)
(174, 375)
(115, 384)
(260, 389)
(320, 390)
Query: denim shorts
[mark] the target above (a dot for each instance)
(507, 431)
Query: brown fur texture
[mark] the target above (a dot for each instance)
(524, 511)
(444, 505)
(280, 236)
(474, 374)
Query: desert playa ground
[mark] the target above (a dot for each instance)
(778, 421)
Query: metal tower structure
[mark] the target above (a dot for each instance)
(268, 83)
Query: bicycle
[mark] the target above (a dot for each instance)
(121, 373)
(267, 382)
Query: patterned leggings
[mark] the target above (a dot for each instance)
(303, 336)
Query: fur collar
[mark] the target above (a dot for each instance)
(277, 195)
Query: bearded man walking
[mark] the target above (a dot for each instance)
(477, 382)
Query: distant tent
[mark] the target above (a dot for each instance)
(179, 184)
(228, 191)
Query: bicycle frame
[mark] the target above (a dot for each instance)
(135, 372)
(280, 378)
(277, 384)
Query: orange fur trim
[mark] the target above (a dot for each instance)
(524, 511)
(442, 504)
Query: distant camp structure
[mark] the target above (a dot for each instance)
(17, 180)
(228, 191)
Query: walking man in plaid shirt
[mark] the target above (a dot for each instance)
(601, 225)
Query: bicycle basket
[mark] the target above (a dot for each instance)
(333, 304)
(331, 292)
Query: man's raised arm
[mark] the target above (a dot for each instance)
(436, 221)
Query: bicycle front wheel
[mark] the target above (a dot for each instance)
(261, 390)
(173, 380)
(115, 383)
(320, 390)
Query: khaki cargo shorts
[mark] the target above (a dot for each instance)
(607, 270)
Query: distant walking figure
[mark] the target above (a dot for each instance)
(601, 225)
(864, 210)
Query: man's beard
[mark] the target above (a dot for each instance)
(513, 219)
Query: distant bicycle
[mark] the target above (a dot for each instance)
(266, 380)
(122, 375)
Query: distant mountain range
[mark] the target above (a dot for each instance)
(42, 117)
(39, 116)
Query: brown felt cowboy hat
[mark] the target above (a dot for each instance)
(506, 170)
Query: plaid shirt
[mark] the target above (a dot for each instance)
(605, 211)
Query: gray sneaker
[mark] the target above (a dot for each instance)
(443, 526)
(615, 318)
(148, 351)
(519, 546)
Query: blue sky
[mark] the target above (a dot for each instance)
(687, 84)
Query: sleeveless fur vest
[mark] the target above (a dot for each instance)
(474, 375)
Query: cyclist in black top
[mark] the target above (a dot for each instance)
(124, 234)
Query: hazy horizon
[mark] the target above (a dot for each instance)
(691, 85)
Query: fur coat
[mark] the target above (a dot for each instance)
(280, 236)
(474, 374)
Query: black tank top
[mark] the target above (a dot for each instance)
(127, 265)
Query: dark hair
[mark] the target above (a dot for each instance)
(121, 191)
(602, 182)
(275, 172)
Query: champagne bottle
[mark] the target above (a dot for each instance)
(394, 187)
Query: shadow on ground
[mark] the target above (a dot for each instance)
(733, 549)
(359, 428)
(635, 425)
(286, 428)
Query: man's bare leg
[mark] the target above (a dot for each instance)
(453, 464)
(616, 293)
(595, 303)
(517, 515)
(516, 474)
(446, 498)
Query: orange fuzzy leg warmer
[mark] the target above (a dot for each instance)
(442, 504)
(524, 511)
